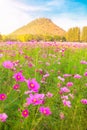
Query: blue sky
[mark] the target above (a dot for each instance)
(64, 13)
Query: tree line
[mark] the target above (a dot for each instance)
(74, 34)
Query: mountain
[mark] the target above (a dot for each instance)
(40, 26)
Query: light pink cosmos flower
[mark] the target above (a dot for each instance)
(84, 101)
(85, 84)
(66, 103)
(1, 55)
(45, 110)
(77, 76)
(25, 113)
(8, 64)
(3, 96)
(64, 97)
(3, 117)
(83, 62)
(33, 85)
(19, 77)
(35, 99)
(69, 84)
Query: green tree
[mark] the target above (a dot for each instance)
(73, 34)
(84, 34)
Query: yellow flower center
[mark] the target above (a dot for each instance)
(3, 97)
(25, 112)
(32, 85)
(44, 112)
(18, 77)
(34, 100)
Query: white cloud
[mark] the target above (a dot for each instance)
(66, 22)
(14, 14)
(10, 17)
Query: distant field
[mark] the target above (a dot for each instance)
(43, 86)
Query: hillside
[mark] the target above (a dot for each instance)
(39, 27)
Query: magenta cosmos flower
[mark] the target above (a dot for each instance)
(35, 99)
(25, 113)
(3, 96)
(19, 77)
(85, 74)
(84, 101)
(33, 85)
(8, 64)
(3, 117)
(45, 110)
(16, 86)
(69, 84)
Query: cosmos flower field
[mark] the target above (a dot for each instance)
(43, 86)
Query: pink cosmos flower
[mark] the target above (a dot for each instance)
(35, 99)
(77, 76)
(69, 84)
(16, 86)
(41, 71)
(85, 74)
(33, 85)
(62, 79)
(45, 110)
(30, 64)
(8, 64)
(61, 115)
(47, 63)
(43, 80)
(67, 75)
(19, 77)
(64, 90)
(28, 92)
(71, 95)
(64, 97)
(83, 62)
(85, 84)
(84, 101)
(49, 94)
(46, 75)
(66, 103)
(3, 117)
(3, 96)
(25, 113)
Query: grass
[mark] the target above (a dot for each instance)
(49, 59)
